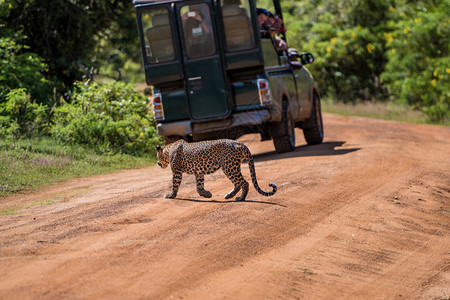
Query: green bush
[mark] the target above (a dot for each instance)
(110, 118)
(418, 52)
(21, 116)
(344, 37)
(20, 69)
(377, 49)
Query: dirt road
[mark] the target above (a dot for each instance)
(365, 215)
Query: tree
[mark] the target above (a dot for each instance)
(418, 67)
(66, 33)
(345, 38)
(19, 69)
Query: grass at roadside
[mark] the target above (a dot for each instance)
(30, 163)
(14, 210)
(378, 110)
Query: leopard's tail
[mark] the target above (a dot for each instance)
(251, 164)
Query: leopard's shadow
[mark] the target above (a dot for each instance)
(230, 201)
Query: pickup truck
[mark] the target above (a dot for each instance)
(216, 73)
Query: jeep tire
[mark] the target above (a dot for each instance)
(286, 141)
(313, 128)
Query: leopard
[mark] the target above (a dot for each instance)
(206, 157)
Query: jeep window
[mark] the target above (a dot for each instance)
(236, 21)
(158, 35)
(197, 30)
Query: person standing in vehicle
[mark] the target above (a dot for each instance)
(263, 15)
(277, 28)
(197, 29)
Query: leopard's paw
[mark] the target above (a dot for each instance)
(170, 196)
(206, 194)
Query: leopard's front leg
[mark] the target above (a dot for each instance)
(200, 180)
(176, 181)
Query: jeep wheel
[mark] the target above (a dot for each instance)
(313, 130)
(285, 142)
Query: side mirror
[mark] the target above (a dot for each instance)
(306, 58)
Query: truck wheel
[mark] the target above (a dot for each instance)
(313, 130)
(285, 142)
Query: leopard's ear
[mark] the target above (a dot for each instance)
(158, 147)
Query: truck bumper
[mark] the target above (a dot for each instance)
(184, 128)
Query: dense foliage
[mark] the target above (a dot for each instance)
(109, 118)
(377, 49)
(45, 47)
(21, 69)
(20, 116)
(418, 57)
(67, 34)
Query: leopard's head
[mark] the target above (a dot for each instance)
(163, 156)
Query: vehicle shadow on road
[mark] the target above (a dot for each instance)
(324, 149)
(230, 201)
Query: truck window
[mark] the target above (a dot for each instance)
(236, 20)
(197, 30)
(158, 35)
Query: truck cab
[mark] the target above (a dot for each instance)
(216, 73)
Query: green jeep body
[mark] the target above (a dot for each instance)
(215, 74)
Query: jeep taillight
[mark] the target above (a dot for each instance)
(265, 95)
(262, 83)
(158, 107)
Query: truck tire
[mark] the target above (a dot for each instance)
(313, 129)
(285, 142)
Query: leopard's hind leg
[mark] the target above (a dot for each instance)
(200, 180)
(233, 192)
(233, 172)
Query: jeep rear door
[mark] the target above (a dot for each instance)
(205, 80)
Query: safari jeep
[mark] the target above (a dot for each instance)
(216, 74)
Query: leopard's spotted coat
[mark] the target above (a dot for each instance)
(206, 157)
